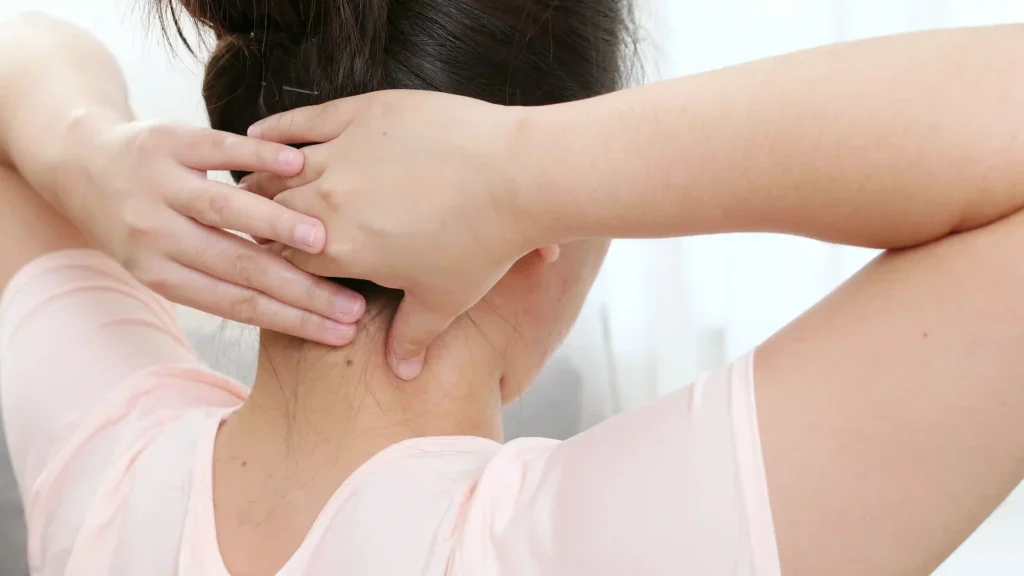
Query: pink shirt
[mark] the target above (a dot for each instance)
(111, 418)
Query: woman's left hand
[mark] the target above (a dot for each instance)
(140, 191)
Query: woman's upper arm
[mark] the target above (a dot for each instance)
(29, 227)
(889, 424)
(671, 489)
(74, 326)
(892, 413)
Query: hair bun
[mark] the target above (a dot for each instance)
(276, 55)
(269, 18)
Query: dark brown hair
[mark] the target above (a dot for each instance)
(275, 55)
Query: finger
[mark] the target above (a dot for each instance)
(205, 149)
(316, 264)
(306, 200)
(319, 123)
(270, 185)
(232, 259)
(550, 254)
(414, 328)
(224, 206)
(203, 292)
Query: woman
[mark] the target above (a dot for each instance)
(887, 423)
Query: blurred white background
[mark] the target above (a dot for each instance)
(661, 311)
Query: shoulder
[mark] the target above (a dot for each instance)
(121, 495)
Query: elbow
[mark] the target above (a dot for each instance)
(28, 21)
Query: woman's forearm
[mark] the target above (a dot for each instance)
(889, 142)
(53, 78)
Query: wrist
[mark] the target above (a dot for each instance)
(43, 150)
(542, 195)
(78, 151)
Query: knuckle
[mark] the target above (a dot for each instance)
(322, 291)
(404, 341)
(140, 222)
(155, 281)
(225, 145)
(278, 123)
(248, 269)
(406, 347)
(325, 202)
(245, 309)
(309, 323)
(283, 228)
(265, 154)
(214, 209)
(330, 197)
(148, 138)
(325, 195)
(316, 293)
(218, 142)
(159, 134)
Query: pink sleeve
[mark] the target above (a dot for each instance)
(74, 327)
(677, 488)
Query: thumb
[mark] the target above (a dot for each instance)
(414, 328)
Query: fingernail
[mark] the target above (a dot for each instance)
(411, 368)
(305, 234)
(254, 131)
(340, 334)
(290, 158)
(349, 307)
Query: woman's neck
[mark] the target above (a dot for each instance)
(317, 414)
(310, 402)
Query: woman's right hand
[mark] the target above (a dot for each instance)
(420, 191)
(140, 191)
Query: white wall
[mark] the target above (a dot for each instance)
(661, 311)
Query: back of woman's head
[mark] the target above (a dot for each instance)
(275, 55)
